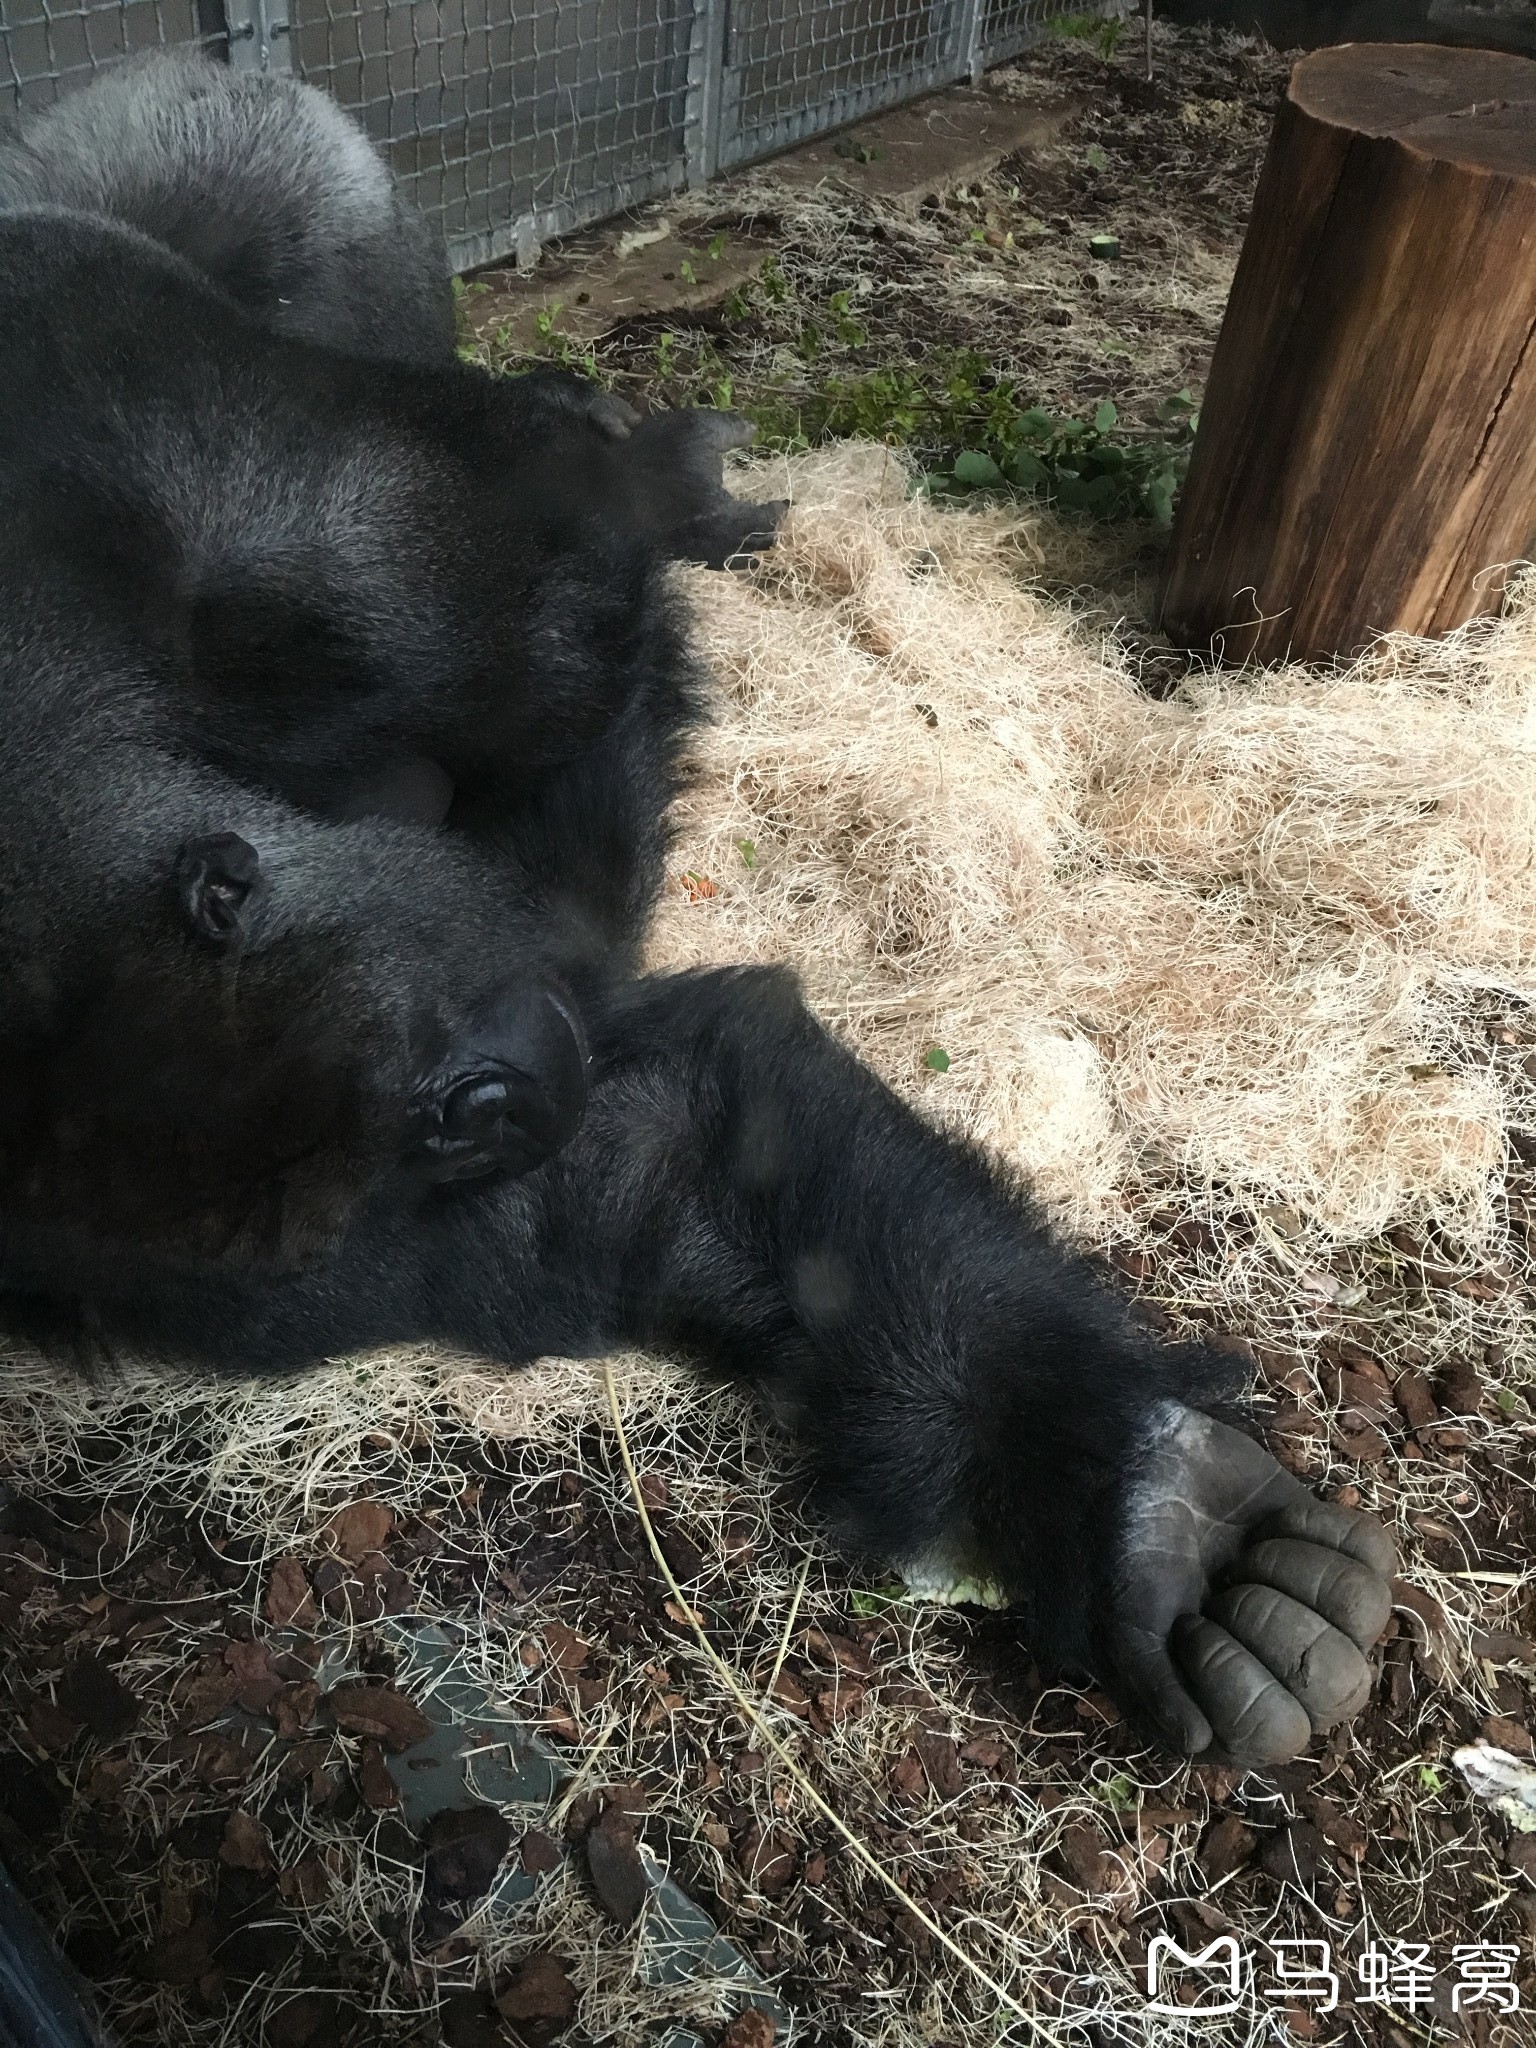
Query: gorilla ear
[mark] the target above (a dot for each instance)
(216, 881)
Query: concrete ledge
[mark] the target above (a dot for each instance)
(602, 278)
(921, 151)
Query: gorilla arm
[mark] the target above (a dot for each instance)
(343, 569)
(973, 1404)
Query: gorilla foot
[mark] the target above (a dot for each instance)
(1245, 1605)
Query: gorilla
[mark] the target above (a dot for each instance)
(345, 697)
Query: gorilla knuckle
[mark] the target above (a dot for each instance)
(1255, 1717)
(1350, 1595)
(1314, 1661)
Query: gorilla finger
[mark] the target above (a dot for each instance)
(612, 416)
(742, 530)
(686, 431)
(758, 525)
(722, 430)
(1150, 1684)
(1311, 1520)
(1308, 1655)
(1347, 1593)
(1254, 1718)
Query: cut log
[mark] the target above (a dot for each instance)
(1366, 456)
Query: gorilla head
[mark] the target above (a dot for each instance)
(218, 1042)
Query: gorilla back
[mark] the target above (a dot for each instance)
(343, 702)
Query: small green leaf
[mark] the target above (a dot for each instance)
(936, 1059)
(686, 272)
(977, 471)
(1106, 415)
(1430, 1780)
(1120, 1792)
(716, 246)
(1028, 471)
(1037, 425)
(748, 852)
(870, 1605)
(1508, 1400)
(1095, 156)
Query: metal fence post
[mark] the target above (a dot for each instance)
(259, 35)
(972, 64)
(706, 71)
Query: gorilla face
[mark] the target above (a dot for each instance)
(220, 1070)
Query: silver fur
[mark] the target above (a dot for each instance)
(262, 182)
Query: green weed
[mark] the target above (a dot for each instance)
(969, 425)
(1090, 28)
(1082, 465)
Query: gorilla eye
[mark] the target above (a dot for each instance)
(215, 882)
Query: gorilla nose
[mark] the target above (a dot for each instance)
(474, 1112)
(511, 1092)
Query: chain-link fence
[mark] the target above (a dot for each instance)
(515, 120)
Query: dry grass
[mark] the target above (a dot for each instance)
(1241, 937)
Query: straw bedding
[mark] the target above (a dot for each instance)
(1233, 939)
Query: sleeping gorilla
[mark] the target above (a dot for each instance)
(344, 699)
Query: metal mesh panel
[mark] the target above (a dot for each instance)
(1009, 26)
(793, 67)
(494, 116)
(44, 47)
(513, 120)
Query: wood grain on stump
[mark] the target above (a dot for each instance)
(1366, 459)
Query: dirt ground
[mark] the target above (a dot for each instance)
(1001, 268)
(207, 1669)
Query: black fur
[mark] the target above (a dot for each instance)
(343, 704)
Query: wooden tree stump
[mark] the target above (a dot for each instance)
(1366, 458)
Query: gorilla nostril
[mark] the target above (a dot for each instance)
(475, 1109)
(511, 1092)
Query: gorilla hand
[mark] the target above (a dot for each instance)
(674, 469)
(1244, 1604)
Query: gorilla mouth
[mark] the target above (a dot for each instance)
(506, 1098)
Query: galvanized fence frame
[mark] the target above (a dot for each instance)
(513, 121)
